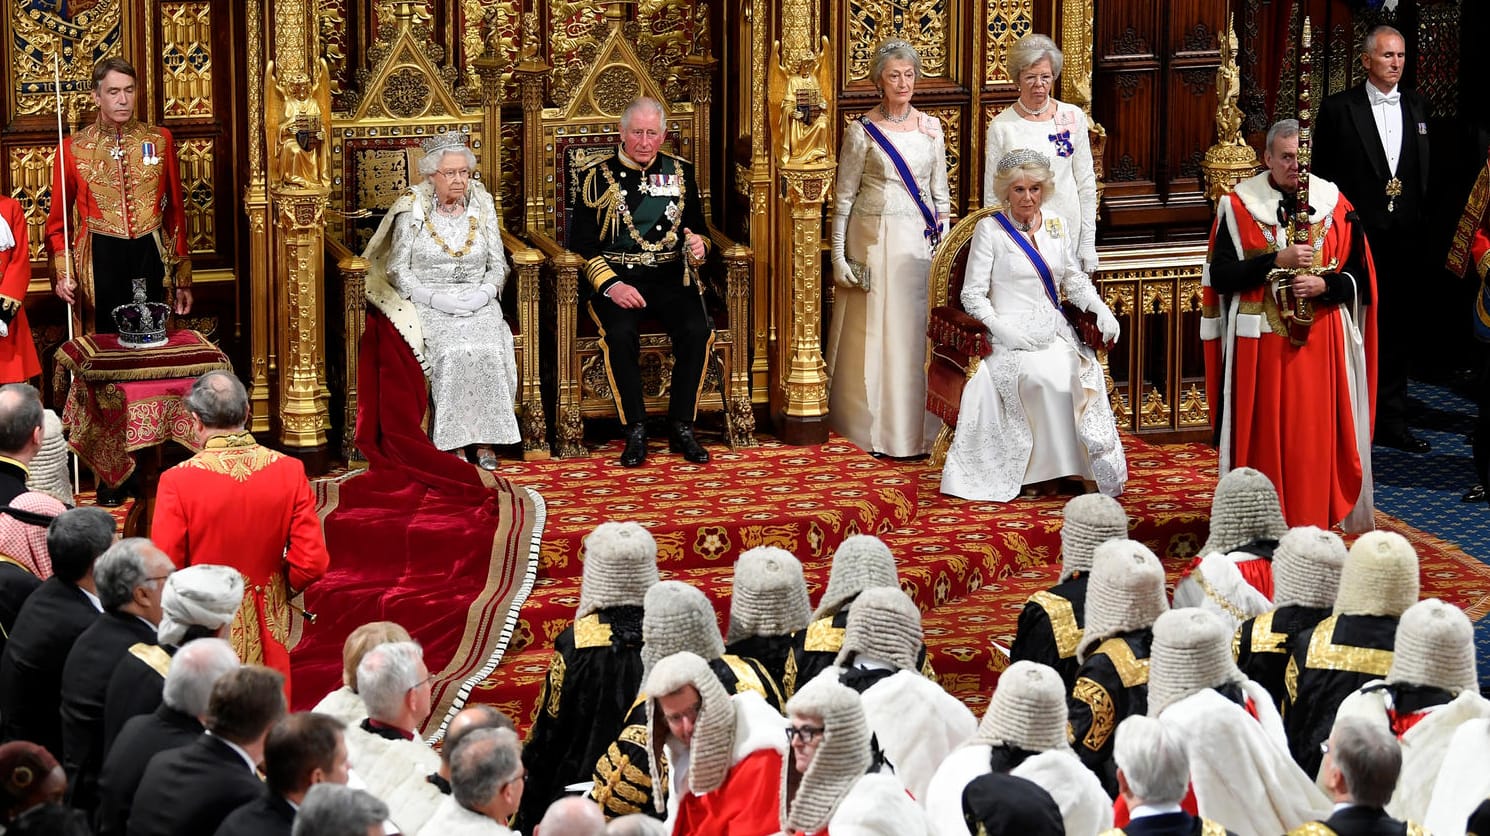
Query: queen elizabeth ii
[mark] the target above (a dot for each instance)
(437, 271)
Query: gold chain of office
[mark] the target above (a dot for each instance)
(465, 249)
(670, 240)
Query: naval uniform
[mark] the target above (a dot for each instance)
(628, 225)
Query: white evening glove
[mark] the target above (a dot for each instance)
(448, 303)
(1108, 325)
(1008, 335)
(1089, 263)
(843, 273)
(471, 299)
(420, 295)
(491, 291)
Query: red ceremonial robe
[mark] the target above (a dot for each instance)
(1302, 415)
(18, 361)
(746, 804)
(1471, 247)
(246, 506)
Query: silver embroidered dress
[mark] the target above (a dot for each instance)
(1030, 416)
(472, 371)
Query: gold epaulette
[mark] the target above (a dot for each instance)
(153, 655)
(588, 160)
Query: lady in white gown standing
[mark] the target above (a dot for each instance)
(1056, 129)
(888, 220)
(1036, 410)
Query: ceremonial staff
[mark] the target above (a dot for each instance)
(66, 211)
(1297, 311)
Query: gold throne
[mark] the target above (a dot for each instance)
(556, 141)
(374, 154)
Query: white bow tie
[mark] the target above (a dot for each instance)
(1378, 98)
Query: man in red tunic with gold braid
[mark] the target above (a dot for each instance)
(1470, 250)
(242, 505)
(1302, 414)
(123, 179)
(18, 361)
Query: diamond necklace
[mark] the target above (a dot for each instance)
(896, 119)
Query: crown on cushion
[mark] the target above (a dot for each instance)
(141, 324)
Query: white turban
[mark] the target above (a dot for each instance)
(198, 596)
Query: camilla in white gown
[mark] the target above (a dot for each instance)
(1036, 409)
(876, 350)
(438, 275)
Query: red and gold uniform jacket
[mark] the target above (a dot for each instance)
(242, 505)
(1471, 248)
(124, 184)
(18, 360)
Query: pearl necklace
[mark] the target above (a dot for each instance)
(896, 119)
(1019, 106)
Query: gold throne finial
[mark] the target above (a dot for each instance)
(1231, 159)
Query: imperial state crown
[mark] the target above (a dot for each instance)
(141, 324)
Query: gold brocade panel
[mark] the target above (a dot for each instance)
(30, 170)
(186, 60)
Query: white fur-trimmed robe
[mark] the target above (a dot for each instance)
(1240, 768)
(1085, 807)
(917, 724)
(451, 819)
(397, 772)
(877, 805)
(1463, 779)
(344, 704)
(1425, 748)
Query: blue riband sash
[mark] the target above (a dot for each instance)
(1046, 277)
(933, 231)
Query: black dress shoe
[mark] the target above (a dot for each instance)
(111, 497)
(1475, 494)
(636, 445)
(683, 442)
(1403, 440)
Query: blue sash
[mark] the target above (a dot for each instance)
(932, 232)
(1046, 277)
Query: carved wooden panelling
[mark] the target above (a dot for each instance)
(921, 22)
(197, 158)
(666, 32)
(30, 184)
(952, 125)
(1155, 92)
(1006, 21)
(88, 32)
(186, 60)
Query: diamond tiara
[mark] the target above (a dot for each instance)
(446, 141)
(1022, 156)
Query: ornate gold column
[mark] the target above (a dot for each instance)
(802, 139)
(256, 206)
(762, 331)
(297, 122)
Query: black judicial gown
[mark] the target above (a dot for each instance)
(593, 678)
(1331, 661)
(1112, 685)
